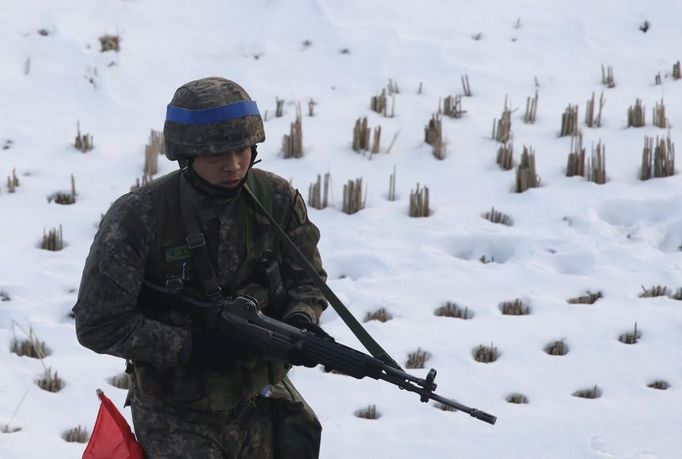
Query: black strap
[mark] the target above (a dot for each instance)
(358, 330)
(196, 243)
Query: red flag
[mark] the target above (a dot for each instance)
(111, 438)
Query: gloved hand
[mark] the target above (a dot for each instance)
(211, 350)
(302, 321)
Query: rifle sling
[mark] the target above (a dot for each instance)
(196, 243)
(358, 330)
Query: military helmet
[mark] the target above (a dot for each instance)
(210, 116)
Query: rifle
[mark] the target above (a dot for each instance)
(241, 320)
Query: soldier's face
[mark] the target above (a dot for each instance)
(225, 170)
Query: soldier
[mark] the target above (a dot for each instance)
(196, 231)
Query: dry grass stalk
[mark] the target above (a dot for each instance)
(654, 291)
(647, 158)
(391, 186)
(50, 382)
(514, 308)
(657, 79)
(311, 107)
(677, 72)
(658, 160)
(569, 121)
(318, 197)
(390, 145)
(660, 385)
(485, 354)
(450, 309)
(121, 381)
(630, 338)
(596, 169)
(380, 314)
(576, 158)
(7, 428)
(505, 156)
(379, 104)
(502, 127)
(53, 240)
(590, 119)
(526, 176)
(4, 296)
(557, 348)
(485, 260)
(675, 296)
(637, 114)
(85, 142)
(417, 359)
(292, 144)
(392, 87)
(588, 298)
(12, 182)
(593, 393)
(376, 140)
(110, 43)
(433, 132)
(352, 197)
(452, 107)
(279, 110)
(76, 435)
(518, 399)
(65, 198)
(151, 153)
(531, 109)
(419, 202)
(607, 77)
(30, 347)
(361, 135)
(439, 150)
(420, 90)
(8, 144)
(368, 413)
(659, 115)
(495, 216)
(465, 86)
(138, 183)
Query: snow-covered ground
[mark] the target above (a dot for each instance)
(569, 235)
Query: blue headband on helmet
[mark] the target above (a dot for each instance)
(211, 115)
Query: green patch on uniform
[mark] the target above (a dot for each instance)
(177, 253)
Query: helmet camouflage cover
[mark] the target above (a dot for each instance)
(210, 116)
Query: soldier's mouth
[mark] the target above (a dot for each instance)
(231, 183)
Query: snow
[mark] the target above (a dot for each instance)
(569, 236)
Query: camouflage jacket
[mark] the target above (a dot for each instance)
(108, 319)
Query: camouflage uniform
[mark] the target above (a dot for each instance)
(248, 411)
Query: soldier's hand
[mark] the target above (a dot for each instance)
(302, 321)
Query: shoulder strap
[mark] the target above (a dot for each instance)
(196, 243)
(358, 330)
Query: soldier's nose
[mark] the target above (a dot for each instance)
(230, 163)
